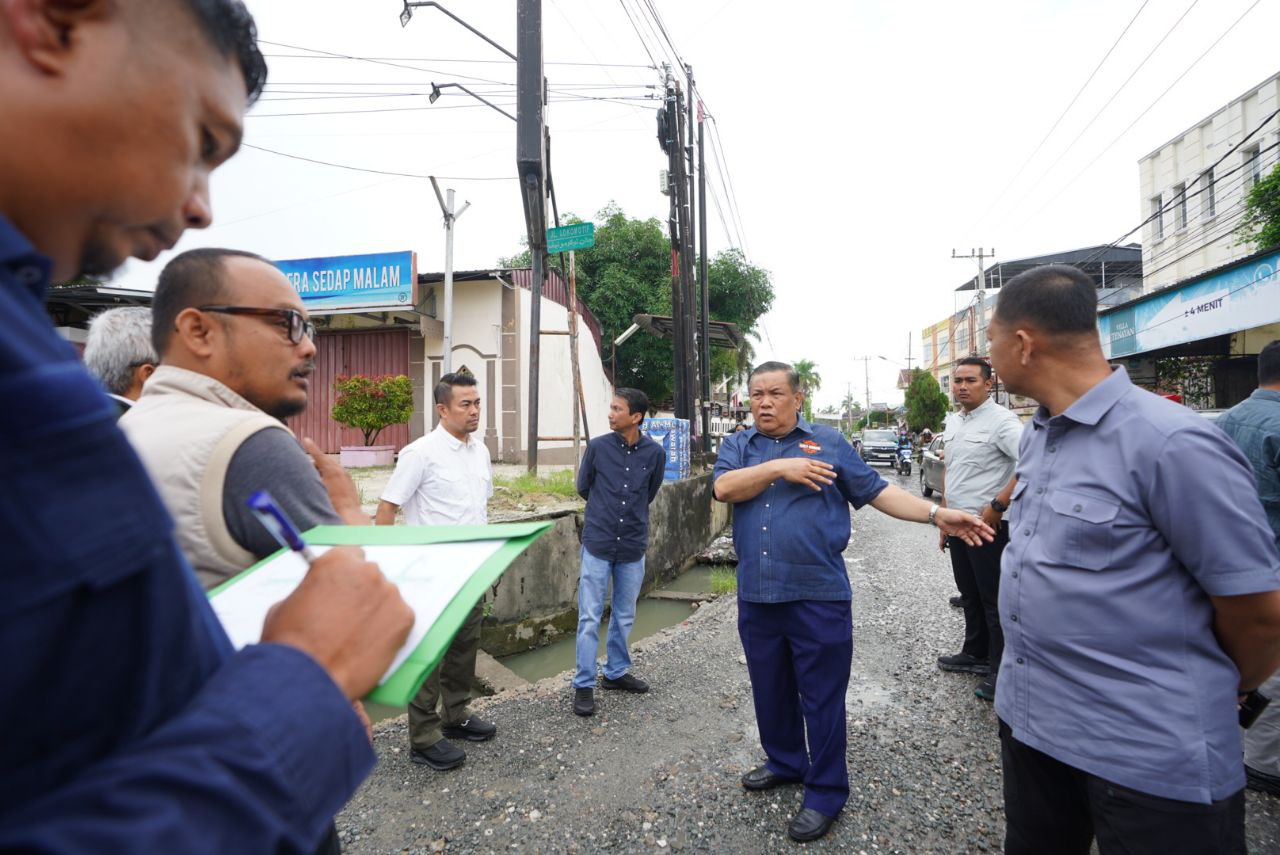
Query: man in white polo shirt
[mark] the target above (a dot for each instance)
(444, 479)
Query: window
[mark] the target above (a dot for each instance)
(928, 351)
(1180, 207)
(1157, 216)
(1252, 168)
(1208, 198)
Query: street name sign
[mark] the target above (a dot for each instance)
(575, 236)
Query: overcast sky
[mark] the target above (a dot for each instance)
(863, 139)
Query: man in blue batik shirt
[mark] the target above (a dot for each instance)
(130, 725)
(1139, 595)
(791, 484)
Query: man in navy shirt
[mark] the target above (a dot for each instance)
(619, 476)
(130, 724)
(791, 484)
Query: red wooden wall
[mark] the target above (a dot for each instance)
(338, 353)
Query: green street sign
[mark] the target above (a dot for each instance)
(576, 236)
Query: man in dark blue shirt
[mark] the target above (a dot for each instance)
(791, 484)
(130, 725)
(619, 476)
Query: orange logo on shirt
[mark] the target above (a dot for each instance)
(810, 447)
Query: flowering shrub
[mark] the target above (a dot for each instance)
(370, 404)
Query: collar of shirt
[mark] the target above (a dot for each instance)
(801, 425)
(980, 410)
(1266, 395)
(622, 440)
(1090, 407)
(20, 258)
(453, 442)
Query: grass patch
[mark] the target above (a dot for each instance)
(724, 580)
(554, 484)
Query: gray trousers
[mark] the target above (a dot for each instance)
(1262, 741)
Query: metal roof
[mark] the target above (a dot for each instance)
(1124, 260)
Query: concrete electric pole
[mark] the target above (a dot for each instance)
(979, 346)
(450, 217)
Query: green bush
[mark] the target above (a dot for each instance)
(370, 404)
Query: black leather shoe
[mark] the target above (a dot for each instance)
(1261, 781)
(808, 824)
(584, 701)
(626, 683)
(986, 690)
(963, 662)
(956, 602)
(474, 729)
(760, 778)
(441, 756)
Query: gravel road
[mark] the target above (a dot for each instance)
(660, 771)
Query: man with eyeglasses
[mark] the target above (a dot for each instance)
(236, 358)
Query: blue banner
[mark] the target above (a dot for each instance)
(1238, 298)
(380, 280)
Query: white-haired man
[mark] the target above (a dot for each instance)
(119, 353)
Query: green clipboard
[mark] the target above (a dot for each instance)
(403, 683)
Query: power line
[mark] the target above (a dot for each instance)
(1159, 97)
(1104, 107)
(450, 59)
(643, 43)
(380, 171)
(732, 191)
(1063, 115)
(335, 55)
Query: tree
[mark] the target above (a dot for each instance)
(1260, 223)
(926, 404)
(628, 272)
(810, 383)
(370, 404)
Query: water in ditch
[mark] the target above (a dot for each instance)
(551, 659)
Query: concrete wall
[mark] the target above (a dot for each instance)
(540, 588)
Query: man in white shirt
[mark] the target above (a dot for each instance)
(444, 479)
(981, 456)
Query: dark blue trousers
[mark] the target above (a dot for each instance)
(798, 656)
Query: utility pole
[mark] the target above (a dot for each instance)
(532, 168)
(671, 133)
(703, 284)
(979, 255)
(450, 216)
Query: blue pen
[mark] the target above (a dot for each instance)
(282, 529)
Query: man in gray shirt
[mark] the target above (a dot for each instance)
(1140, 597)
(979, 479)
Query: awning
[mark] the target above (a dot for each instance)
(722, 333)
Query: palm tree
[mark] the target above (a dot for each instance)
(810, 383)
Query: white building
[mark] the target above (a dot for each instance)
(1194, 202)
(376, 315)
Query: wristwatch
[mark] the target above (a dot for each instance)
(998, 506)
(933, 513)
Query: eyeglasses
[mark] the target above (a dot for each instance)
(298, 325)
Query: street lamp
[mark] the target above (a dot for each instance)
(435, 96)
(410, 5)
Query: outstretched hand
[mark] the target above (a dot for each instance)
(972, 530)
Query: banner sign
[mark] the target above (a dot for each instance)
(382, 280)
(1236, 299)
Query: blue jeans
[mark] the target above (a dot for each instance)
(627, 578)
